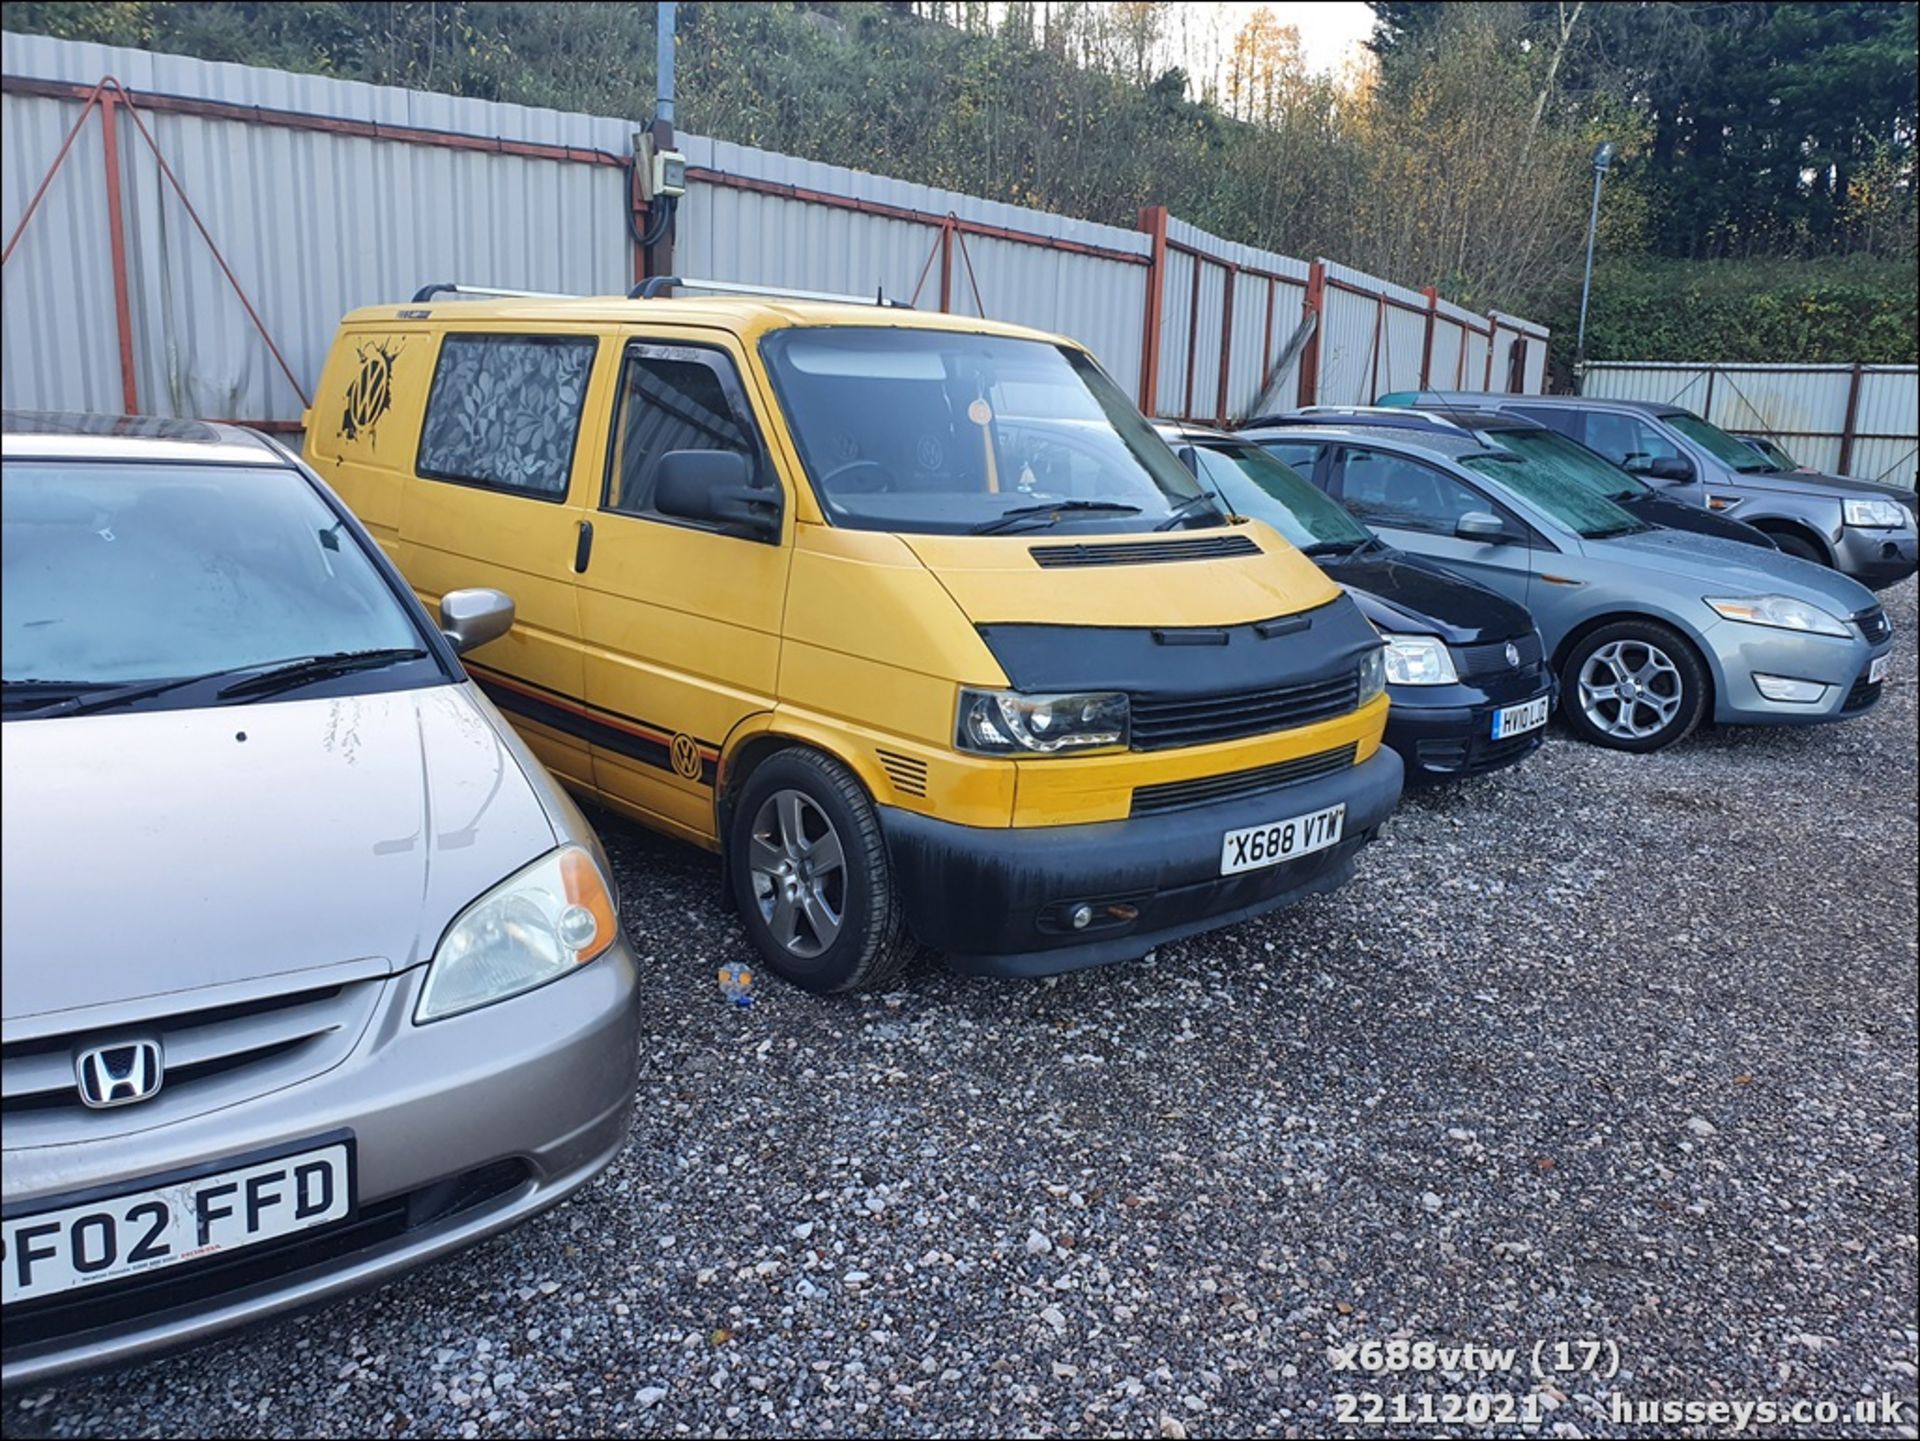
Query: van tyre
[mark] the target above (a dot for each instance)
(810, 873)
(1635, 685)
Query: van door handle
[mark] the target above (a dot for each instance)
(583, 548)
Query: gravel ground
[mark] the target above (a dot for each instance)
(1600, 1047)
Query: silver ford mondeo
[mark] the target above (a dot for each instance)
(311, 972)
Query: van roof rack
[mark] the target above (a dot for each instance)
(427, 292)
(652, 288)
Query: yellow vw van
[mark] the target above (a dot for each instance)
(912, 618)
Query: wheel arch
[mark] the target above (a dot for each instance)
(1777, 526)
(1709, 663)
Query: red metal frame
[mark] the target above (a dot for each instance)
(1226, 344)
(1316, 305)
(1153, 220)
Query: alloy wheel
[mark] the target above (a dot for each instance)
(799, 873)
(1631, 689)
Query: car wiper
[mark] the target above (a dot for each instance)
(1612, 531)
(285, 675)
(1007, 519)
(1179, 512)
(81, 697)
(1335, 547)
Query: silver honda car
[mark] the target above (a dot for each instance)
(311, 972)
(1651, 630)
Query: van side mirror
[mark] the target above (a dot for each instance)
(471, 618)
(1484, 527)
(1668, 467)
(712, 486)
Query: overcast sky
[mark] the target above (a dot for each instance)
(1329, 29)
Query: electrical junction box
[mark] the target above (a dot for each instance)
(669, 173)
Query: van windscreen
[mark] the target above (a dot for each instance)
(950, 432)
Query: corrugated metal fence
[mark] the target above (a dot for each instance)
(182, 240)
(1845, 419)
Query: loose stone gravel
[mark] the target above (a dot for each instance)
(1600, 1047)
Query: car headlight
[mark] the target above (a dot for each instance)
(1007, 723)
(1780, 611)
(1876, 514)
(535, 926)
(1418, 660)
(1373, 673)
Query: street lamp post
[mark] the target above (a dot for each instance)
(1602, 158)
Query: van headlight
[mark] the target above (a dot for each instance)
(1373, 674)
(1007, 723)
(1876, 514)
(1782, 612)
(535, 926)
(1418, 660)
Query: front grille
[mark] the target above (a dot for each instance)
(212, 1056)
(1863, 694)
(908, 774)
(193, 1285)
(1148, 552)
(1873, 624)
(1460, 754)
(1491, 658)
(1232, 785)
(1160, 722)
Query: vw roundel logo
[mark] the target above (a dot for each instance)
(1513, 654)
(118, 1075)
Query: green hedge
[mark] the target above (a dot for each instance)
(1807, 312)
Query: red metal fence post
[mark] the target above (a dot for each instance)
(117, 240)
(1153, 220)
(1316, 306)
(946, 267)
(1193, 340)
(1426, 346)
(1853, 414)
(1226, 345)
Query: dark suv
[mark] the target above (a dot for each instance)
(1861, 528)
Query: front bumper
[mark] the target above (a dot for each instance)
(1446, 731)
(991, 899)
(1877, 558)
(1842, 664)
(461, 1128)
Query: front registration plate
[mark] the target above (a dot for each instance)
(164, 1225)
(1517, 720)
(1877, 668)
(1252, 847)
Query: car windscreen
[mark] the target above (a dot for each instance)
(1574, 462)
(949, 432)
(1257, 483)
(1580, 509)
(1718, 444)
(119, 573)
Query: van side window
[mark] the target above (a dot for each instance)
(1554, 417)
(504, 412)
(671, 398)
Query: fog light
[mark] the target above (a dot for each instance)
(1082, 917)
(1781, 688)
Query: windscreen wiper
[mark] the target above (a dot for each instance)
(1006, 520)
(83, 697)
(285, 675)
(1179, 512)
(1334, 547)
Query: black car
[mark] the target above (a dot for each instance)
(1469, 685)
(1530, 438)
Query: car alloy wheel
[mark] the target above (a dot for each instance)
(1631, 689)
(799, 873)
